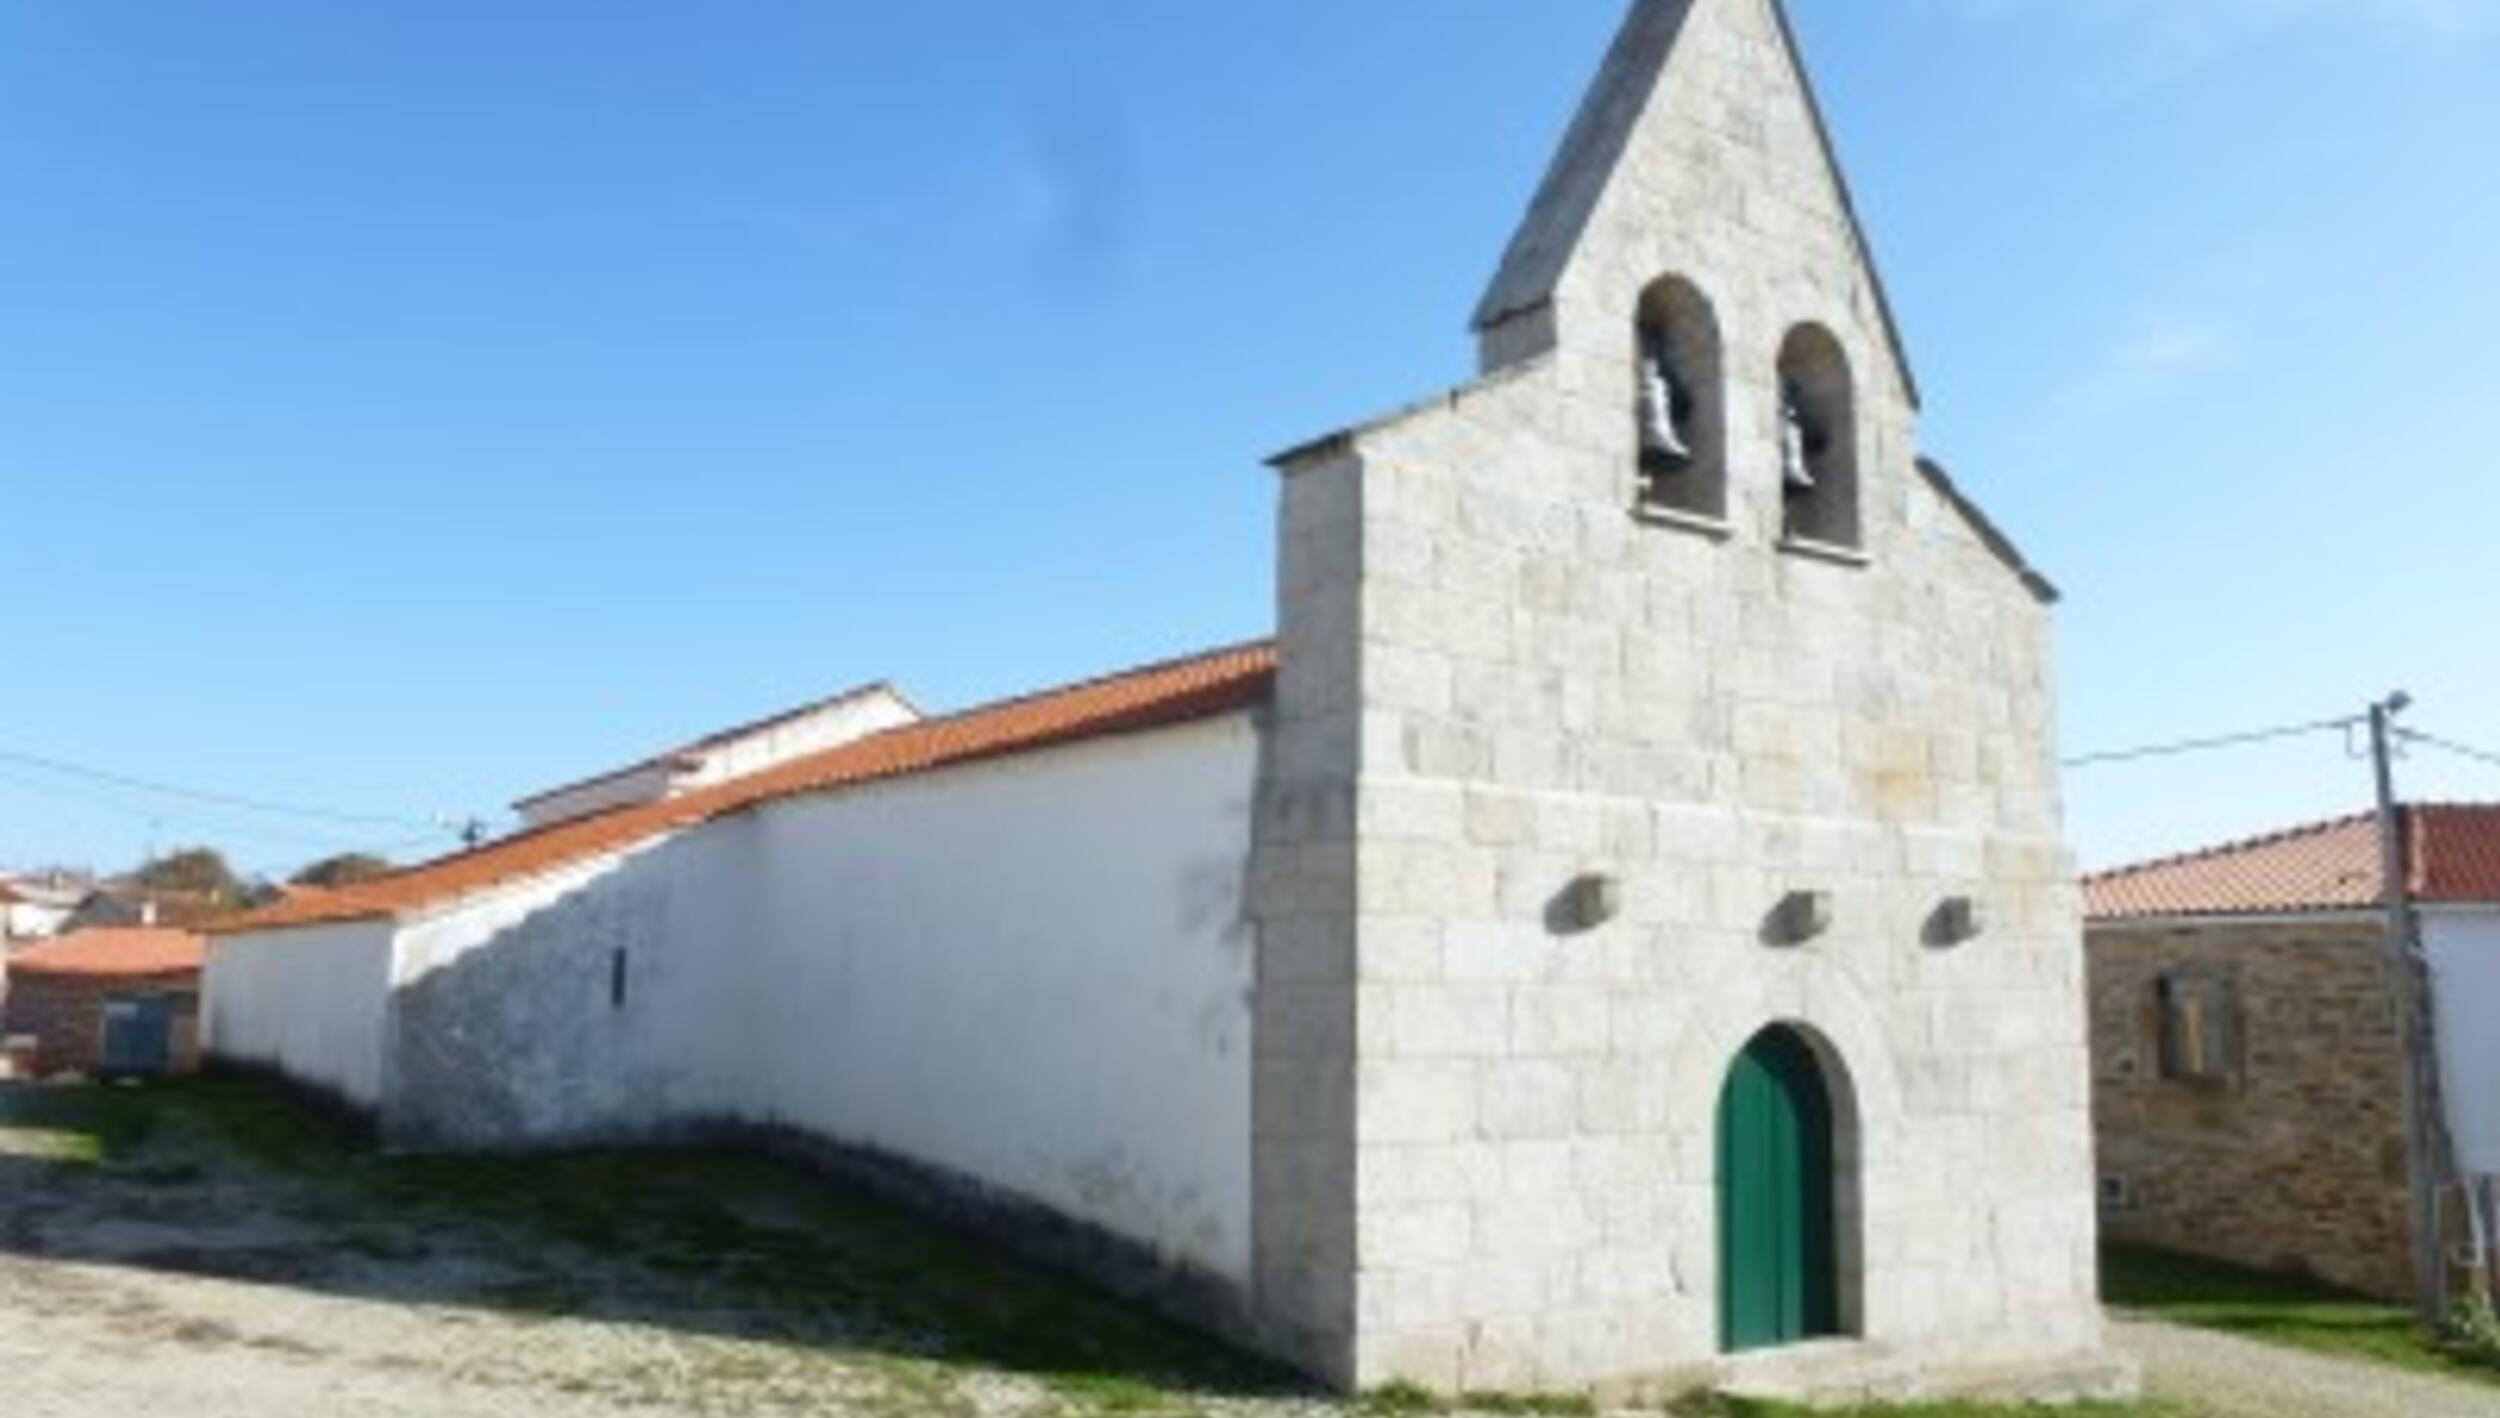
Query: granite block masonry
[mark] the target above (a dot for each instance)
(1491, 1146)
(2292, 1158)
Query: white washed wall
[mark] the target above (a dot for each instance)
(776, 744)
(739, 757)
(311, 1003)
(1033, 972)
(507, 1031)
(26, 920)
(2465, 971)
(1030, 972)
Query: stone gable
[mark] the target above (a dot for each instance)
(1504, 677)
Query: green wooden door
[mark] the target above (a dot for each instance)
(1778, 1267)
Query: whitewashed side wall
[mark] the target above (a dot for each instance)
(1030, 972)
(27, 920)
(776, 744)
(2464, 951)
(739, 757)
(310, 1003)
(509, 1029)
(1033, 972)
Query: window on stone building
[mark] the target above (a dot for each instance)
(1818, 428)
(2200, 1028)
(1679, 405)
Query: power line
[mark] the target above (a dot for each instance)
(182, 824)
(218, 799)
(2481, 755)
(2184, 746)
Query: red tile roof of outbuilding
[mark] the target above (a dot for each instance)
(1156, 696)
(112, 954)
(2454, 852)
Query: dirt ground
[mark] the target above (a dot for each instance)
(208, 1250)
(2223, 1376)
(211, 1250)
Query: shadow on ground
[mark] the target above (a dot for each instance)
(232, 1180)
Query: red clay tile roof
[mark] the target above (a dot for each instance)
(2456, 852)
(2332, 866)
(112, 953)
(1156, 696)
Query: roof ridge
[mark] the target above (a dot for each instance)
(2232, 849)
(721, 737)
(1152, 667)
(1205, 683)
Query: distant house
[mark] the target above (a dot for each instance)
(120, 904)
(732, 753)
(34, 907)
(2249, 1093)
(106, 1001)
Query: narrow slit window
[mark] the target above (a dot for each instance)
(617, 972)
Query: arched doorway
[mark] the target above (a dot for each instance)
(1779, 1251)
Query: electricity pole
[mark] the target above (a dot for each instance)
(2413, 1025)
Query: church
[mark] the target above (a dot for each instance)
(1618, 929)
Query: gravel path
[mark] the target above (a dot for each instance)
(2228, 1377)
(175, 1276)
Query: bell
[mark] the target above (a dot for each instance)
(1659, 436)
(1796, 476)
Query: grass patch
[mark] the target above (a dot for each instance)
(724, 1244)
(2293, 1310)
(833, 1264)
(1718, 1406)
(2473, 1335)
(95, 1124)
(1403, 1399)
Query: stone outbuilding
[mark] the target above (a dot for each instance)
(113, 1001)
(2248, 1064)
(1619, 928)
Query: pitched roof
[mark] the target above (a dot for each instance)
(1593, 148)
(1990, 535)
(129, 903)
(1155, 696)
(111, 953)
(2454, 853)
(677, 757)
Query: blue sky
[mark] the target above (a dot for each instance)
(406, 405)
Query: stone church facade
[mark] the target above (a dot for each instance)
(1591, 768)
(1618, 928)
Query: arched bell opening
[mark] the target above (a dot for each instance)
(1680, 402)
(1818, 440)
